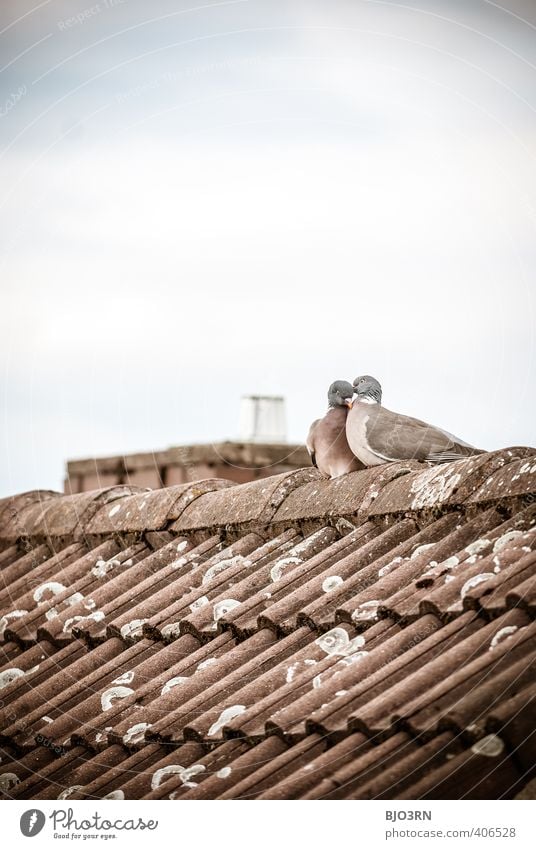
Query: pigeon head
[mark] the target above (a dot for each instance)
(368, 389)
(340, 394)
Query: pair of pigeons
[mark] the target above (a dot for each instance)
(358, 432)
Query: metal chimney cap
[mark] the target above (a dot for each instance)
(262, 419)
(264, 397)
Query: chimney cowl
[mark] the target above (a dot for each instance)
(262, 419)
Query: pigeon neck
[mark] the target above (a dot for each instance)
(367, 399)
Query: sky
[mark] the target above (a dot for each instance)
(201, 201)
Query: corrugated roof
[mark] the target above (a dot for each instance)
(293, 637)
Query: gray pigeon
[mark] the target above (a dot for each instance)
(326, 442)
(376, 435)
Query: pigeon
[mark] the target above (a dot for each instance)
(377, 435)
(326, 442)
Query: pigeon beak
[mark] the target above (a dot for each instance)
(348, 402)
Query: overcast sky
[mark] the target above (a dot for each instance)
(205, 200)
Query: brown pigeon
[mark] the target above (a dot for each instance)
(376, 435)
(326, 441)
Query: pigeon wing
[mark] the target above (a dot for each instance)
(392, 437)
(310, 442)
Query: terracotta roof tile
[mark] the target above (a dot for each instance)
(287, 577)
(150, 510)
(17, 772)
(399, 545)
(485, 771)
(63, 598)
(259, 577)
(239, 772)
(388, 777)
(13, 512)
(72, 513)
(343, 782)
(13, 575)
(198, 778)
(449, 484)
(326, 762)
(256, 501)
(11, 554)
(368, 637)
(330, 707)
(401, 577)
(346, 495)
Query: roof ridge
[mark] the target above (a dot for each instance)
(392, 489)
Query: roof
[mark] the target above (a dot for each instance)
(370, 636)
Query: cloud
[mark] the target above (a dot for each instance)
(319, 196)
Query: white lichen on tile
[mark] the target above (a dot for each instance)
(180, 561)
(337, 643)
(133, 629)
(74, 788)
(226, 715)
(474, 582)
(102, 567)
(291, 671)
(276, 572)
(491, 746)
(506, 539)
(6, 619)
(221, 608)
(200, 602)
(366, 611)
(171, 630)
(426, 546)
(100, 736)
(165, 772)
(477, 546)
(222, 565)
(9, 675)
(331, 583)
(502, 634)
(113, 693)
(210, 661)
(433, 487)
(174, 682)
(8, 780)
(388, 566)
(136, 733)
(124, 678)
(52, 587)
(187, 774)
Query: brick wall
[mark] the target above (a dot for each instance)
(237, 461)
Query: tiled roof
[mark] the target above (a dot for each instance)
(372, 636)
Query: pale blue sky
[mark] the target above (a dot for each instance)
(201, 201)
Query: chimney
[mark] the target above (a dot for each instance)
(262, 419)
